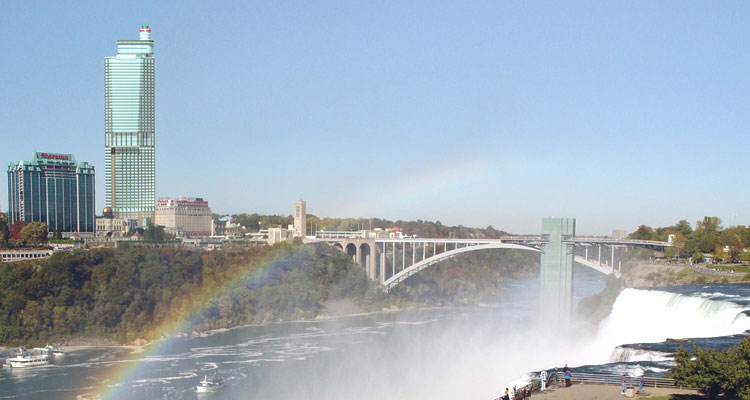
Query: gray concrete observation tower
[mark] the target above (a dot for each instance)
(556, 275)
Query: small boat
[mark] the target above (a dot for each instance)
(26, 360)
(55, 351)
(210, 384)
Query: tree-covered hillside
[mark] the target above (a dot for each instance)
(128, 294)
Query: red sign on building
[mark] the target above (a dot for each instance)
(54, 156)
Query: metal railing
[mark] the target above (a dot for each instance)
(631, 381)
(557, 379)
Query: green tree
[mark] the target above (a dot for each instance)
(642, 233)
(34, 233)
(700, 369)
(724, 372)
(678, 243)
(683, 227)
(738, 371)
(155, 233)
(707, 232)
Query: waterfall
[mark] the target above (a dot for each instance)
(647, 316)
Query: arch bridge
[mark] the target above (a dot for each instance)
(390, 261)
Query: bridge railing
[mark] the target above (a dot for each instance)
(580, 239)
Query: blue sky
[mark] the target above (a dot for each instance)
(473, 113)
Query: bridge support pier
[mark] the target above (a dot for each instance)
(381, 256)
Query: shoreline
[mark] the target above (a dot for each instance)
(140, 345)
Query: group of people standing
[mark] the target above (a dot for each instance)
(518, 394)
(525, 392)
(567, 375)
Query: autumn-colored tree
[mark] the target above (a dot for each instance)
(15, 229)
(735, 247)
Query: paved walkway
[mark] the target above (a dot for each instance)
(605, 392)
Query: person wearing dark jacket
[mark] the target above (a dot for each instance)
(506, 396)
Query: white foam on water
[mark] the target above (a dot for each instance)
(208, 366)
(165, 379)
(626, 354)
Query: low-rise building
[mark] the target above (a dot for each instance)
(227, 226)
(278, 235)
(395, 233)
(184, 216)
(109, 226)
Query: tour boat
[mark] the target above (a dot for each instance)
(210, 383)
(55, 351)
(25, 360)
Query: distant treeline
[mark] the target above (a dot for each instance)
(254, 222)
(707, 237)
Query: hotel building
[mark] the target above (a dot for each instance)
(129, 132)
(184, 216)
(54, 189)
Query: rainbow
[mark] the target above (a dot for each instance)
(114, 386)
(412, 187)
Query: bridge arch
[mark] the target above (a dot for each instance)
(402, 275)
(351, 251)
(365, 254)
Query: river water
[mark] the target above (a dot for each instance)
(446, 353)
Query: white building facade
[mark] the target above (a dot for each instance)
(184, 216)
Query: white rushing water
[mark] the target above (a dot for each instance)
(646, 316)
(626, 354)
(638, 316)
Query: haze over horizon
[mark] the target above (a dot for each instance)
(616, 114)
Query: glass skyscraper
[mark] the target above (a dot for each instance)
(55, 189)
(129, 134)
